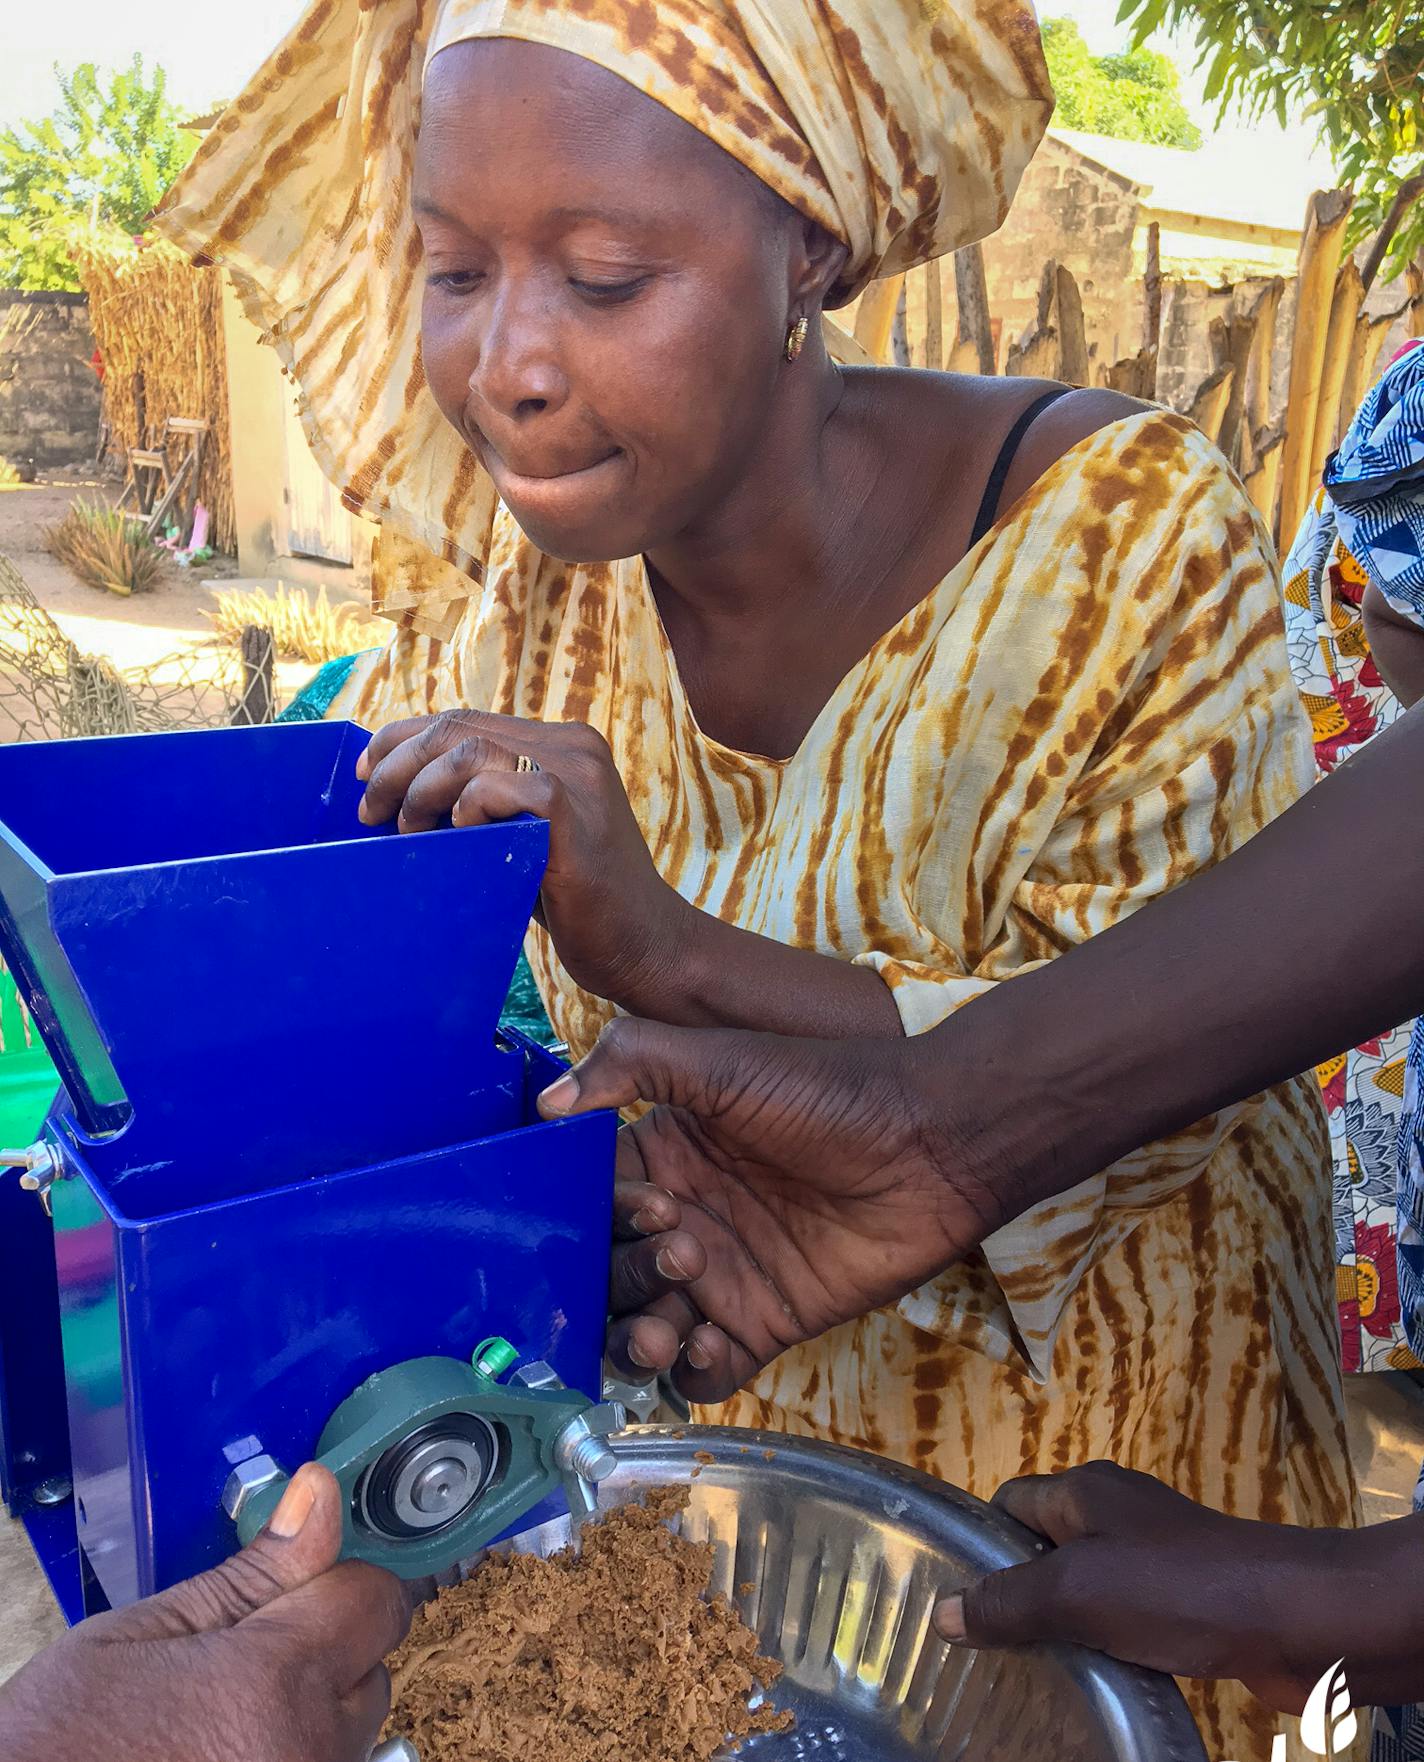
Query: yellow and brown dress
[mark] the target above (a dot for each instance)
(1092, 706)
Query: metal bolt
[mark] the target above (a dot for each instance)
(582, 1447)
(493, 1357)
(591, 1460)
(247, 1480)
(54, 1491)
(39, 1163)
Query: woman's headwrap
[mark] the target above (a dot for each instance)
(1376, 482)
(902, 126)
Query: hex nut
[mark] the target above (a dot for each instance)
(538, 1375)
(247, 1480)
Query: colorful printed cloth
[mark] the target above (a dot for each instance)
(1376, 482)
(1349, 703)
(1398, 1732)
(1411, 1198)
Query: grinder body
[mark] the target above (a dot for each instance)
(292, 1149)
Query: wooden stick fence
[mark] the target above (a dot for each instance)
(1334, 354)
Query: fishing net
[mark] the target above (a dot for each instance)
(50, 691)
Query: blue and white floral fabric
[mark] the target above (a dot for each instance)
(1376, 482)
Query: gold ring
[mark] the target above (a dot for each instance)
(525, 763)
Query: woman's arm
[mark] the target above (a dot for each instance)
(1397, 644)
(927, 1145)
(619, 929)
(1241, 978)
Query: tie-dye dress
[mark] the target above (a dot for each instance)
(1091, 707)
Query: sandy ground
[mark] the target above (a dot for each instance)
(134, 632)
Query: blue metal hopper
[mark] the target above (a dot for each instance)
(292, 1146)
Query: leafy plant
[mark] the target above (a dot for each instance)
(106, 548)
(107, 153)
(302, 629)
(1355, 66)
(1134, 96)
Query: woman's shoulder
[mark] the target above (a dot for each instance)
(1075, 415)
(1010, 433)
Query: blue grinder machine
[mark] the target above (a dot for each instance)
(294, 1198)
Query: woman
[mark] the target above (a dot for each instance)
(1358, 661)
(1355, 627)
(904, 682)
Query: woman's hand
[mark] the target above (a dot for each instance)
(1149, 1576)
(616, 924)
(782, 1187)
(274, 1656)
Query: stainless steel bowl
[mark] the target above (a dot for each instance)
(836, 1559)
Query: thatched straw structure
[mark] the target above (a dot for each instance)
(158, 324)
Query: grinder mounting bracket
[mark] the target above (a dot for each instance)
(436, 1458)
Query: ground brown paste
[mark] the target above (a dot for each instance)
(616, 1652)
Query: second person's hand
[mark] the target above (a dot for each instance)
(779, 1188)
(274, 1656)
(615, 923)
(1149, 1576)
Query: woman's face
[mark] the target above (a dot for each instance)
(606, 296)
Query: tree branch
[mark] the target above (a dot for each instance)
(1405, 197)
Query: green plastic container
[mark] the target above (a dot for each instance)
(28, 1081)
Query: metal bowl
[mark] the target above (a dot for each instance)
(836, 1558)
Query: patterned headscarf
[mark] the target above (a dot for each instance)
(902, 126)
(1376, 482)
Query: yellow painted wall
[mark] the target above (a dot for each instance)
(257, 400)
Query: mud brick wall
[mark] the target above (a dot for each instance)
(1072, 212)
(49, 393)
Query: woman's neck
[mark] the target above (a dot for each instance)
(784, 519)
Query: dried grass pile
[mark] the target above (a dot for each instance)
(158, 323)
(106, 548)
(302, 629)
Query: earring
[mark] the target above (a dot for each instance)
(796, 338)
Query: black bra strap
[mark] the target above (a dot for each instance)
(989, 507)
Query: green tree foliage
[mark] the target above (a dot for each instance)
(1357, 66)
(107, 154)
(1133, 96)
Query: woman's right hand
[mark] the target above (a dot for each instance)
(618, 927)
(779, 1188)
